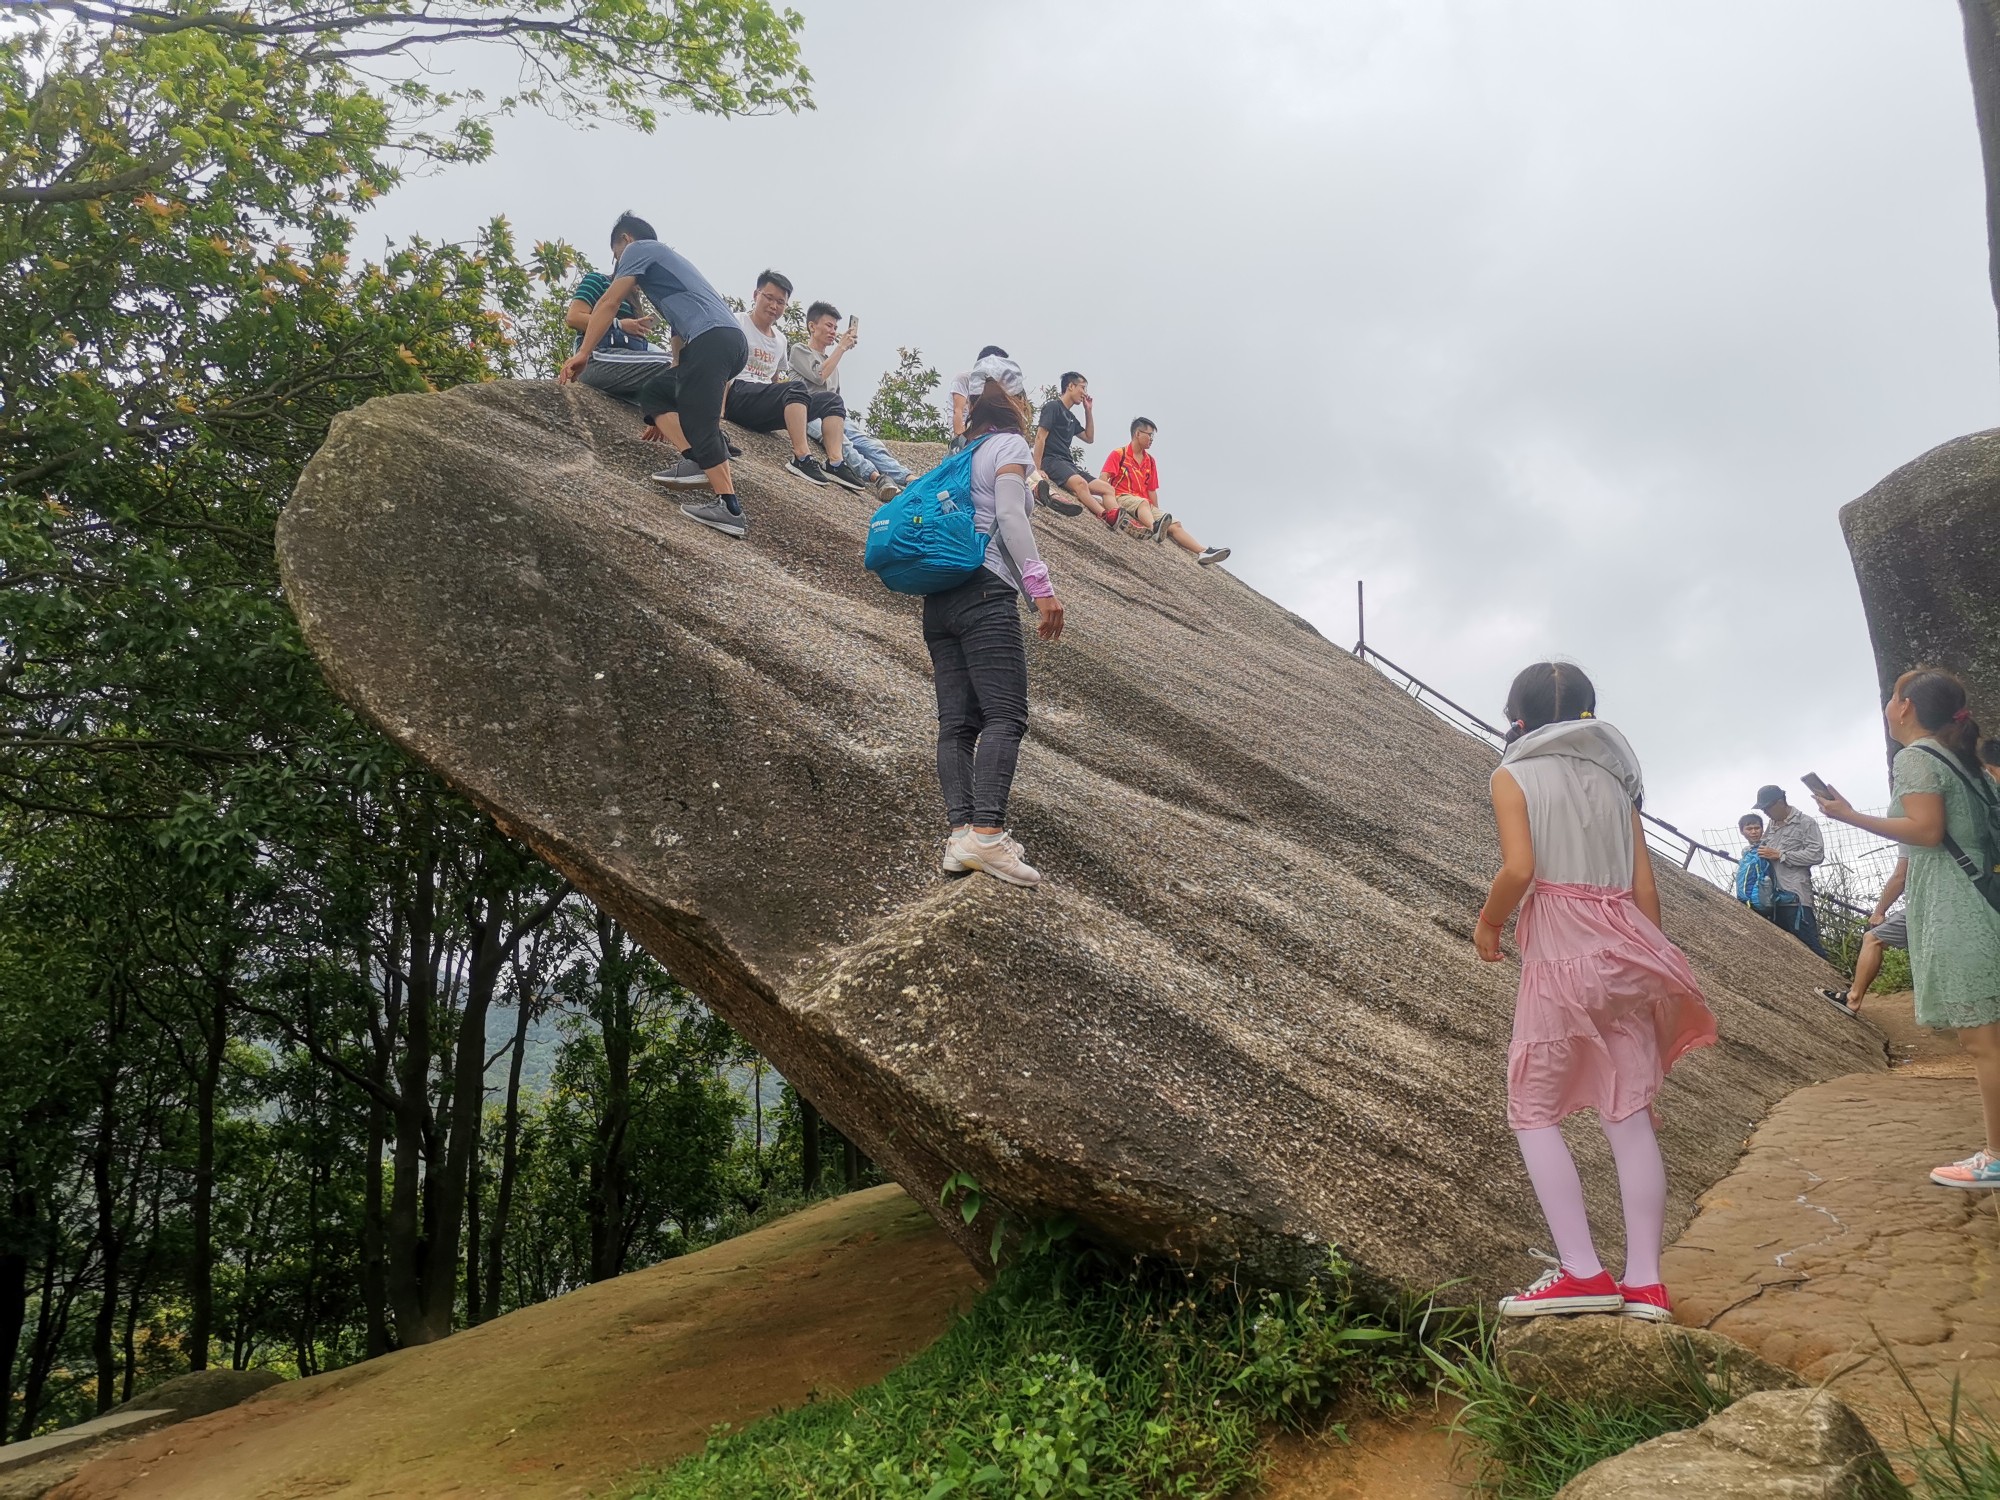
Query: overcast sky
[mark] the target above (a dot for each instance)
(1569, 326)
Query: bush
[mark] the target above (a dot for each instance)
(1071, 1379)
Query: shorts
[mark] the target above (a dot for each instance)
(1060, 470)
(761, 408)
(1894, 931)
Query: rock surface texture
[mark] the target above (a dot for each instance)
(1242, 1018)
(1773, 1445)
(1926, 549)
(1613, 1359)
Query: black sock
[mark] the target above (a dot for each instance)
(729, 504)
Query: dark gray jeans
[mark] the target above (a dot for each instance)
(981, 665)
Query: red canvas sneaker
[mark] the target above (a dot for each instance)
(1649, 1303)
(1560, 1292)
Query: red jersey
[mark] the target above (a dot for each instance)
(1132, 473)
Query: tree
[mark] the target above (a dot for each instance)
(246, 947)
(904, 406)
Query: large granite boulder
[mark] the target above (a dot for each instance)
(1772, 1445)
(1241, 1020)
(1926, 549)
(1610, 1359)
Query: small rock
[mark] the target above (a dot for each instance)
(1605, 1358)
(202, 1391)
(1771, 1445)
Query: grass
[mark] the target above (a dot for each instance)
(1074, 1378)
(1526, 1444)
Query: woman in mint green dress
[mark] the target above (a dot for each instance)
(1954, 934)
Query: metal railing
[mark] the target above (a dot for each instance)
(1716, 866)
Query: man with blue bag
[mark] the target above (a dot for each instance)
(961, 536)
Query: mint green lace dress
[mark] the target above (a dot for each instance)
(1954, 934)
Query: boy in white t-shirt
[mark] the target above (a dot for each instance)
(765, 397)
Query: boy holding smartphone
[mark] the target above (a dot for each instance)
(816, 365)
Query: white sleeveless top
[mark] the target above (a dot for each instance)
(1581, 780)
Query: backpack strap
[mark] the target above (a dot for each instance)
(1980, 797)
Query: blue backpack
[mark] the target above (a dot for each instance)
(925, 541)
(1755, 883)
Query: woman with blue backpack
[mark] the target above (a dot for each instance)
(1944, 814)
(973, 629)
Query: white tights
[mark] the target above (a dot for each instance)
(1642, 1183)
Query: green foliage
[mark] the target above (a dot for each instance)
(905, 406)
(246, 946)
(1530, 1443)
(1068, 1379)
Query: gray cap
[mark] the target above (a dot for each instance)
(998, 367)
(1766, 795)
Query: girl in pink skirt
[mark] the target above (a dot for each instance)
(1607, 1005)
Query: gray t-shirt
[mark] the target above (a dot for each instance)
(1013, 545)
(676, 288)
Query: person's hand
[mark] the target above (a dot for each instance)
(1088, 403)
(572, 367)
(1486, 938)
(848, 339)
(640, 326)
(651, 434)
(1049, 621)
(1834, 806)
(1770, 853)
(1875, 920)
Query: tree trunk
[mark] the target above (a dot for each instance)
(808, 1146)
(475, 1312)
(611, 1164)
(405, 1249)
(22, 1213)
(510, 1153)
(201, 1211)
(110, 1241)
(1982, 55)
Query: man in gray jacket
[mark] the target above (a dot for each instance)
(1793, 846)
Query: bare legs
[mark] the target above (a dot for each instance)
(1867, 964)
(1983, 1042)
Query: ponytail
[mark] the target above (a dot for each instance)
(1939, 699)
(1549, 692)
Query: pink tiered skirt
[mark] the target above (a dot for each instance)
(1607, 1007)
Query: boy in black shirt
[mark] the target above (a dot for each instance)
(1055, 430)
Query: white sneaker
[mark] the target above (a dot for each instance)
(1001, 859)
(953, 862)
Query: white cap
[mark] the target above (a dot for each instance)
(997, 367)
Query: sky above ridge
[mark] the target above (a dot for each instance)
(1567, 326)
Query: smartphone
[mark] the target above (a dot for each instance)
(1814, 784)
(853, 324)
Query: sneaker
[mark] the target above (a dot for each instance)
(1001, 860)
(1110, 516)
(1649, 1304)
(886, 490)
(1560, 1292)
(1160, 526)
(721, 517)
(1212, 556)
(1839, 998)
(808, 469)
(1979, 1170)
(685, 475)
(954, 863)
(847, 476)
(1047, 497)
(734, 451)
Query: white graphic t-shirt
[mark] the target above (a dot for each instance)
(766, 365)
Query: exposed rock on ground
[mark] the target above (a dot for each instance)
(1773, 1445)
(1243, 1018)
(1926, 548)
(1829, 1241)
(1622, 1359)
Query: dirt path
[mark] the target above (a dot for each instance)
(571, 1396)
(1382, 1460)
(1828, 1234)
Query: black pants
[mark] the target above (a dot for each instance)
(823, 404)
(761, 408)
(1802, 922)
(693, 388)
(980, 663)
